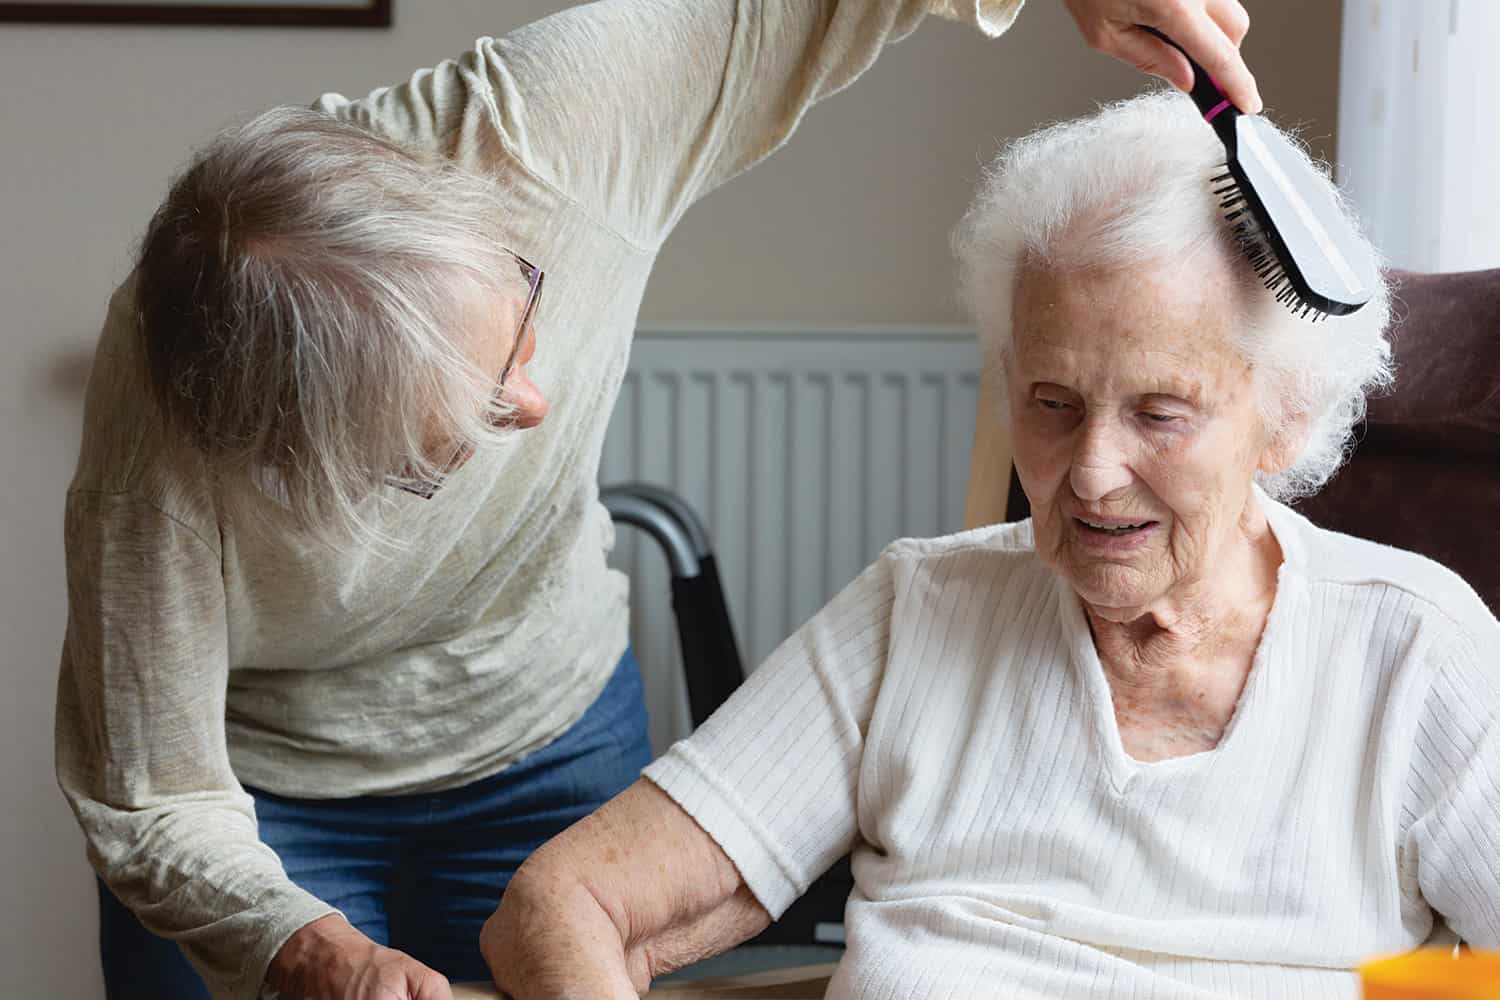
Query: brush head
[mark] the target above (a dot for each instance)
(1287, 219)
(1291, 227)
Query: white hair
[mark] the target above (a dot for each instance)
(302, 293)
(1129, 187)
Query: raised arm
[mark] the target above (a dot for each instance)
(632, 892)
(636, 108)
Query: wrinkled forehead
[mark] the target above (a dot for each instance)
(1152, 325)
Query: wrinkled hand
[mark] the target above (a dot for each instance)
(330, 960)
(1208, 30)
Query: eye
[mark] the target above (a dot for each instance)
(1052, 404)
(1161, 418)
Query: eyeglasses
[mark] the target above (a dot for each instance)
(533, 276)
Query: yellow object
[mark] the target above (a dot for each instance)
(1433, 974)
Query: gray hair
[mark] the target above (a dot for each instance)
(1129, 186)
(301, 295)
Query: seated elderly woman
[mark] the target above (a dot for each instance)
(1166, 738)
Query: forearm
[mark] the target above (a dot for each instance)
(140, 747)
(194, 872)
(630, 893)
(229, 905)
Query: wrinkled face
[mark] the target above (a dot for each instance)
(1135, 429)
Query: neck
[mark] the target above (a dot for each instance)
(1202, 624)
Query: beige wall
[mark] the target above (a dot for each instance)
(847, 226)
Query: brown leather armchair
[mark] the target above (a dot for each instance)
(1425, 474)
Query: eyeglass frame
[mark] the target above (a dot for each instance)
(534, 276)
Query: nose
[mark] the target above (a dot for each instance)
(527, 399)
(1100, 464)
(528, 405)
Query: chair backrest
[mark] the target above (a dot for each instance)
(990, 470)
(1425, 474)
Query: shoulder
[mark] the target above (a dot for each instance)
(1011, 541)
(994, 564)
(121, 451)
(1417, 593)
(116, 410)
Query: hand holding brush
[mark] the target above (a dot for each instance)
(1209, 32)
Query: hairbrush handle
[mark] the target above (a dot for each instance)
(1217, 109)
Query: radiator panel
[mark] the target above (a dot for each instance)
(804, 453)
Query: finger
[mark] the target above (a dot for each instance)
(1150, 54)
(1202, 39)
(1232, 19)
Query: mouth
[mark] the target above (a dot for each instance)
(1113, 527)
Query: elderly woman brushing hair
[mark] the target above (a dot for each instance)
(342, 647)
(1166, 738)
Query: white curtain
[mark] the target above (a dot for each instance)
(1419, 130)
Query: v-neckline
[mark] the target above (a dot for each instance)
(1124, 770)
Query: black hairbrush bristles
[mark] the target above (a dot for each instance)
(1256, 248)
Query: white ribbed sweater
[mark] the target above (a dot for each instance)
(947, 717)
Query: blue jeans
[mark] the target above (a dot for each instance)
(419, 873)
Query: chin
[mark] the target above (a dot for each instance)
(1114, 592)
(1120, 614)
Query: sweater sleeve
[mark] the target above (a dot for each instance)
(140, 745)
(1454, 792)
(636, 108)
(773, 775)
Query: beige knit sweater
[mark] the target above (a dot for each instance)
(198, 656)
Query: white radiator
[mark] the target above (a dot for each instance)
(804, 453)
